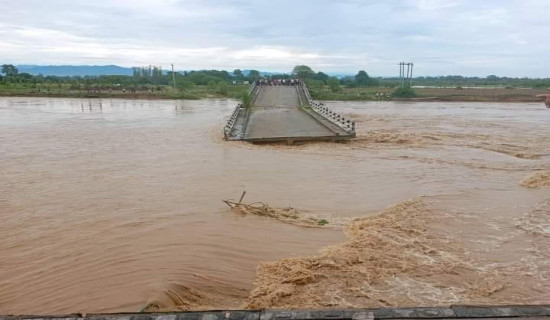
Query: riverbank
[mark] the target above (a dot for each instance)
(158, 92)
(479, 94)
(115, 95)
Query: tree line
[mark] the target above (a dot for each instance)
(154, 75)
(149, 75)
(316, 79)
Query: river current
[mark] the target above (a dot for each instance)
(112, 205)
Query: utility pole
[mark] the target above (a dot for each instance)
(405, 79)
(402, 73)
(399, 72)
(173, 76)
(408, 72)
(410, 79)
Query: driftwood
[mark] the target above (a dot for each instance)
(285, 215)
(232, 204)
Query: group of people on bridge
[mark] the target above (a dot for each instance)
(277, 82)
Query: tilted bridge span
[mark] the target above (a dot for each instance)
(286, 113)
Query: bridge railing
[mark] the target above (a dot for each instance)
(251, 88)
(231, 122)
(328, 114)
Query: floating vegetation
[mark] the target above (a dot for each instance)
(286, 215)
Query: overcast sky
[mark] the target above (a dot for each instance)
(465, 37)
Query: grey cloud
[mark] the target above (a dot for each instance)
(442, 37)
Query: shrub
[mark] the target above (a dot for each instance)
(246, 100)
(404, 92)
(222, 88)
(334, 84)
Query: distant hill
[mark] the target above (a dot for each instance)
(75, 70)
(110, 70)
(262, 73)
(332, 74)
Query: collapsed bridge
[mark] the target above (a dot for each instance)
(285, 113)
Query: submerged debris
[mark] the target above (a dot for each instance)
(286, 215)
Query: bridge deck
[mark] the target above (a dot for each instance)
(278, 114)
(276, 122)
(278, 96)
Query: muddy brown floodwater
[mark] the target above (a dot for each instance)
(111, 205)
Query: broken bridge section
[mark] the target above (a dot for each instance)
(286, 113)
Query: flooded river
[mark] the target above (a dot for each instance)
(110, 205)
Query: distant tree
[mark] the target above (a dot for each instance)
(212, 85)
(362, 79)
(220, 74)
(280, 76)
(303, 72)
(25, 77)
(222, 87)
(315, 86)
(254, 74)
(334, 84)
(348, 81)
(204, 77)
(238, 73)
(184, 84)
(9, 70)
(321, 76)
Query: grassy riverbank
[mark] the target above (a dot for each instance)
(143, 92)
(479, 94)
